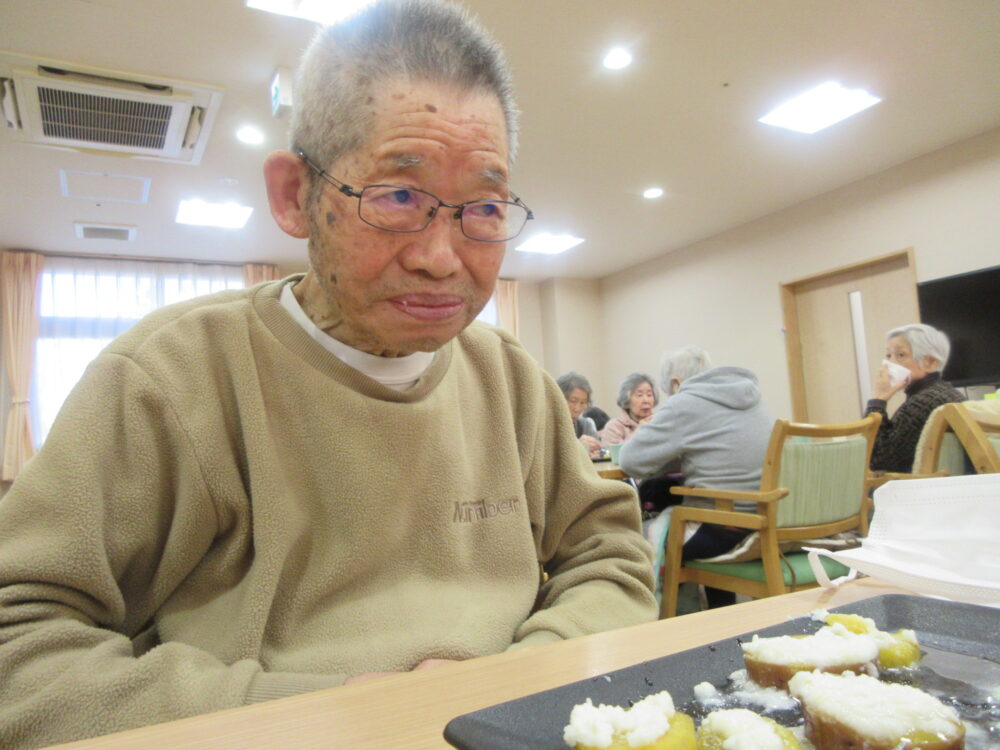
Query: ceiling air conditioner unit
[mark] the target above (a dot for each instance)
(54, 103)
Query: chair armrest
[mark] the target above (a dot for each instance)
(751, 496)
(682, 513)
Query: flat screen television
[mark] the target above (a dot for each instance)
(967, 308)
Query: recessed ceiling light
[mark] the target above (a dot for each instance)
(229, 215)
(617, 58)
(320, 11)
(251, 135)
(819, 107)
(546, 243)
(653, 192)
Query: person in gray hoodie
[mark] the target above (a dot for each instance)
(713, 428)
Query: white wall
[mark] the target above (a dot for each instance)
(722, 293)
(560, 324)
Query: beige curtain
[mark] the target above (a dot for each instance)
(19, 286)
(254, 273)
(506, 294)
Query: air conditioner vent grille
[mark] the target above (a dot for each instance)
(103, 119)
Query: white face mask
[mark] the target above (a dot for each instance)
(932, 536)
(897, 373)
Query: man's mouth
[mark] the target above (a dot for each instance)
(429, 307)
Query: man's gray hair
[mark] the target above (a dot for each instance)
(572, 380)
(682, 364)
(924, 341)
(628, 386)
(424, 40)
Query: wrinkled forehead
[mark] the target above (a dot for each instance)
(398, 107)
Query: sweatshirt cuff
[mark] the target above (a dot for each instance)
(875, 404)
(267, 686)
(535, 638)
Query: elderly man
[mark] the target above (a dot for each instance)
(714, 429)
(331, 477)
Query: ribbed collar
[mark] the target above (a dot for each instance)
(266, 303)
(924, 383)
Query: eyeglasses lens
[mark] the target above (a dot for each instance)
(401, 209)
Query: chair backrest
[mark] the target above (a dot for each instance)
(824, 468)
(951, 456)
(959, 437)
(977, 426)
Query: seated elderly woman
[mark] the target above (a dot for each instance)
(918, 353)
(576, 389)
(713, 428)
(636, 398)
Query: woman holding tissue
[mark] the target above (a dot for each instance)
(915, 354)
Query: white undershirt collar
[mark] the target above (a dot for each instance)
(398, 373)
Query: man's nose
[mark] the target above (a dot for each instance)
(435, 249)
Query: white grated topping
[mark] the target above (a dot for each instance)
(828, 647)
(883, 712)
(597, 726)
(742, 729)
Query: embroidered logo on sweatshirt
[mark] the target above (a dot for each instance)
(470, 512)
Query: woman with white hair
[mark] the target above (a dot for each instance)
(636, 398)
(915, 355)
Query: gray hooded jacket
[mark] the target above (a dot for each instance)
(714, 431)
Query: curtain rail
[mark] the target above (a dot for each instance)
(146, 259)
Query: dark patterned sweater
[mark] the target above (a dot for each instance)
(896, 442)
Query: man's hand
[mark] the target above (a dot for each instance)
(429, 663)
(883, 387)
(592, 445)
(425, 664)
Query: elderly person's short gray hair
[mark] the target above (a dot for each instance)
(424, 40)
(683, 363)
(572, 380)
(924, 341)
(628, 386)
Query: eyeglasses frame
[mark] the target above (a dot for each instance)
(350, 191)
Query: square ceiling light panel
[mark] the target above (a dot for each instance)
(102, 186)
(819, 107)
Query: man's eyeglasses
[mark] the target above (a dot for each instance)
(396, 208)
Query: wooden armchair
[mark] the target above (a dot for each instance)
(958, 438)
(971, 427)
(813, 485)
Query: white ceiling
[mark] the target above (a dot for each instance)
(683, 116)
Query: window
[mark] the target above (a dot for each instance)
(86, 302)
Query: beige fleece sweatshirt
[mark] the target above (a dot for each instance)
(224, 512)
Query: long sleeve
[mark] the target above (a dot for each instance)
(657, 446)
(897, 438)
(95, 537)
(599, 567)
(617, 430)
(201, 530)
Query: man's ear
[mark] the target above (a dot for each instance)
(286, 177)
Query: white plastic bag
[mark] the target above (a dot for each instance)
(938, 537)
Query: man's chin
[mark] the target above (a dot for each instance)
(424, 341)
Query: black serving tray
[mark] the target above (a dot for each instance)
(536, 721)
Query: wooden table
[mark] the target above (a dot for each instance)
(410, 710)
(610, 470)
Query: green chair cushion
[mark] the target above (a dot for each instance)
(754, 569)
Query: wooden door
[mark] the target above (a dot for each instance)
(835, 326)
